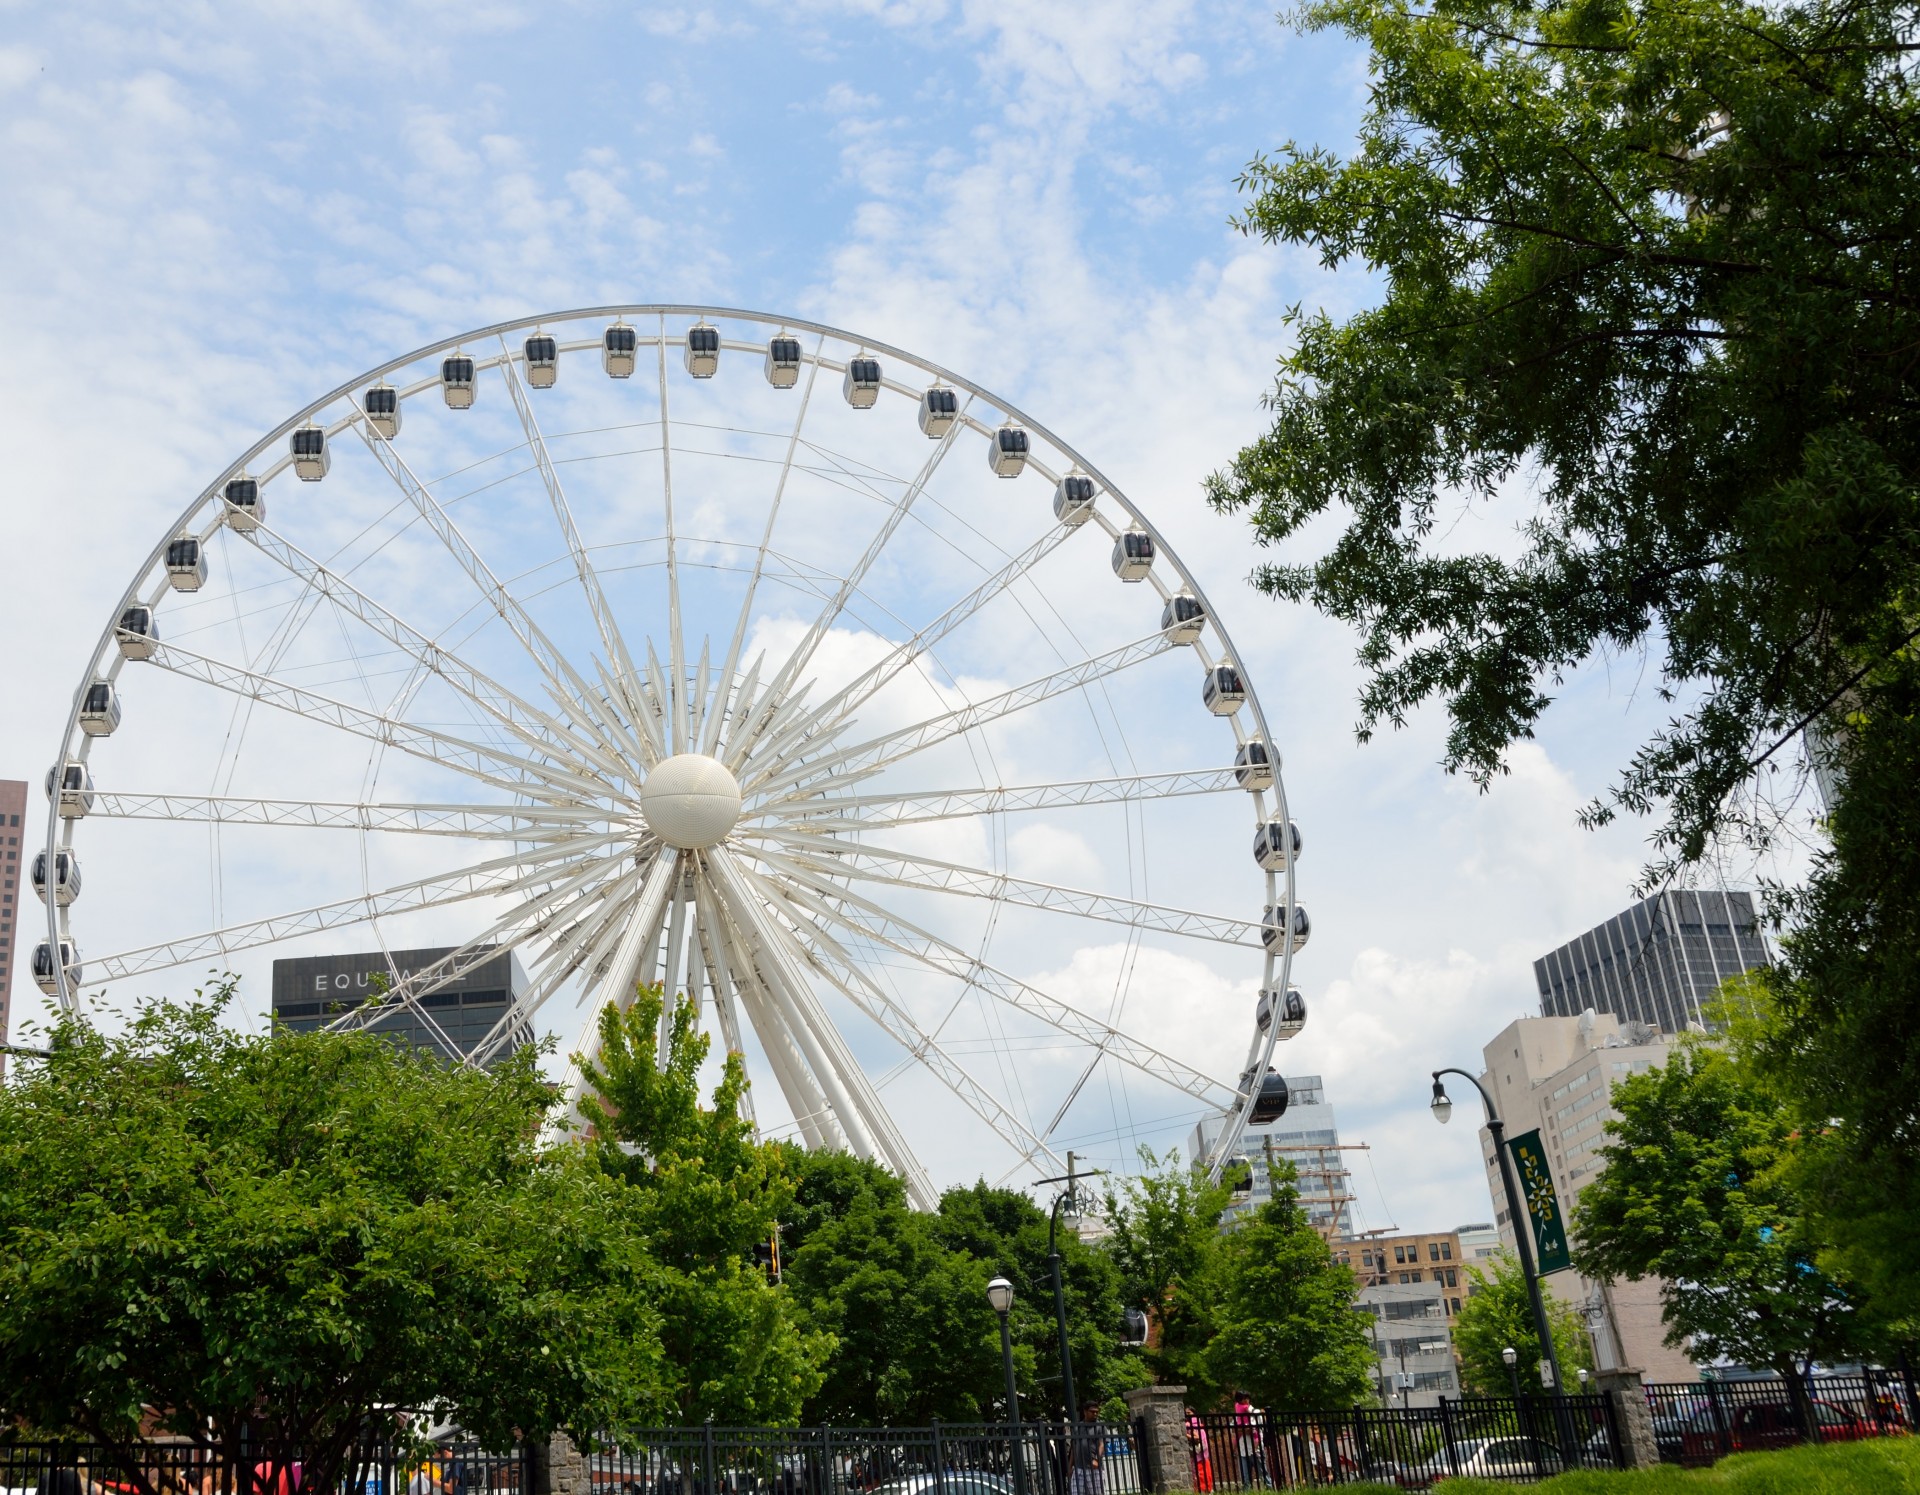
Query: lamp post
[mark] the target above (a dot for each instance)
(1000, 1296)
(1523, 1238)
(1443, 1112)
(1070, 1200)
(1512, 1358)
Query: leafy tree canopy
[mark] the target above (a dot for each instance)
(1287, 1328)
(1699, 1189)
(292, 1230)
(1497, 1315)
(1164, 1235)
(704, 1194)
(1647, 271)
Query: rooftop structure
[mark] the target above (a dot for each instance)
(1657, 964)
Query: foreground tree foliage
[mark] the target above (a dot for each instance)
(1701, 1189)
(294, 1230)
(1164, 1235)
(1286, 1325)
(1497, 1315)
(1647, 272)
(703, 1195)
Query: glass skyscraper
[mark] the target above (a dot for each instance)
(1659, 963)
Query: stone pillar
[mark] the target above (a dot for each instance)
(558, 1467)
(1624, 1387)
(1165, 1465)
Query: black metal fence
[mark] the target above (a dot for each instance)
(1084, 1459)
(1697, 1422)
(1412, 1447)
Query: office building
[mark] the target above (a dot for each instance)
(1403, 1260)
(16, 894)
(1555, 1075)
(1658, 964)
(1478, 1243)
(1306, 1136)
(1414, 1363)
(311, 991)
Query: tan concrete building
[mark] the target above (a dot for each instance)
(1556, 1075)
(1405, 1260)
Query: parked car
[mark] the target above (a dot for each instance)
(1756, 1425)
(1484, 1458)
(952, 1482)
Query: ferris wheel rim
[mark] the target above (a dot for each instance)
(106, 661)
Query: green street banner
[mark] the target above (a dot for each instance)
(1543, 1205)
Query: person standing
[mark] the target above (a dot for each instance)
(1246, 1438)
(1089, 1447)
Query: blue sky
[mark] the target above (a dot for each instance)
(215, 213)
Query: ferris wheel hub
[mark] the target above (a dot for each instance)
(690, 801)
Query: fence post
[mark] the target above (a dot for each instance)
(1163, 1410)
(827, 1460)
(1629, 1421)
(706, 1455)
(1720, 1430)
(1446, 1435)
(939, 1461)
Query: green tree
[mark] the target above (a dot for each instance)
(1164, 1235)
(1006, 1232)
(1646, 274)
(913, 1336)
(704, 1194)
(1287, 1329)
(1699, 1190)
(294, 1230)
(1498, 1315)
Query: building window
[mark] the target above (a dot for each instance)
(1433, 1250)
(1403, 1276)
(1456, 1305)
(1446, 1250)
(1453, 1279)
(1416, 1277)
(1400, 1255)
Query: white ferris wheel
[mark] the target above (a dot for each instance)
(692, 645)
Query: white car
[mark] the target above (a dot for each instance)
(1486, 1458)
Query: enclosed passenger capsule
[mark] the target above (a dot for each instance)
(1288, 1009)
(703, 350)
(1273, 928)
(139, 632)
(939, 409)
(43, 976)
(1237, 1172)
(541, 353)
(783, 360)
(311, 459)
(73, 786)
(382, 404)
(456, 381)
(862, 384)
(1270, 1103)
(1223, 691)
(1007, 451)
(1276, 844)
(66, 877)
(1073, 499)
(1132, 555)
(619, 349)
(1183, 618)
(99, 709)
(1253, 766)
(186, 563)
(246, 505)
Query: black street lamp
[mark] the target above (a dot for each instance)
(1000, 1296)
(1071, 1202)
(1512, 1358)
(1523, 1238)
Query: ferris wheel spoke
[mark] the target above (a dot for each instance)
(470, 758)
(848, 699)
(712, 736)
(564, 684)
(870, 811)
(566, 902)
(864, 917)
(827, 857)
(676, 644)
(611, 639)
(832, 1062)
(896, 516)
(535, 728)
(878, 752)
(881, 1008)
(641, 922)
(409, 897)
(475, 822)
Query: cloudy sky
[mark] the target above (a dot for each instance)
(217, 212)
